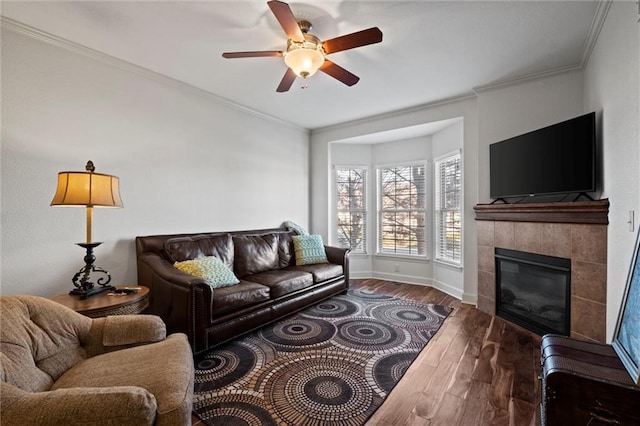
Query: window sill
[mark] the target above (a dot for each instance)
(403, 257)
(359, 255)
(452, 265)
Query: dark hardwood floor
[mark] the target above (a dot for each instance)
(477, 370)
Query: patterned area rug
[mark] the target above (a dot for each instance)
(331, 364)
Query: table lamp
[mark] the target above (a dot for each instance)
(88, 189)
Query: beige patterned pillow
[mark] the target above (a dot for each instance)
(210, 269)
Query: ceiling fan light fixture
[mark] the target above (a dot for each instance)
(306, 53)
(306, 57)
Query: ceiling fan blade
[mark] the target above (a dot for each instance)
(339, 73)
(349, 41)
(232, 55)
(287, 81)
(287, 20)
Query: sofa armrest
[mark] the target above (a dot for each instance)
(121, 405)
(166, 271)
(336, 254)
(183, 301)
(339, 256)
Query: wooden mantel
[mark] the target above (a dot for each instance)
(592, 212)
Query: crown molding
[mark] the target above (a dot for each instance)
(594, 30)
(525, 78)
(592, 37)
(19, 27)
(395, 113)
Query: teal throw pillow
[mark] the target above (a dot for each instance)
(309, 249)
(211, 269)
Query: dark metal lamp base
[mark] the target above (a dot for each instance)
(81, 280)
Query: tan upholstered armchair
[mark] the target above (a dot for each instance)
(58, 367)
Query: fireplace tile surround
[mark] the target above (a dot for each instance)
(576, 231)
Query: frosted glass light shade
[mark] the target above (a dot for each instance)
(304, 61)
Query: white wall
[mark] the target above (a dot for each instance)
(458, 283)
(187, 162)
(509, 111)
(611, 88)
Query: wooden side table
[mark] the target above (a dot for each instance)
(103, 304)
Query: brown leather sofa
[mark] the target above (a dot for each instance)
(271, 285)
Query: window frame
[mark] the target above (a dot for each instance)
(424, 209)
(439, 231)
(365, 211)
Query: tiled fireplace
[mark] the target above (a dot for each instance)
(571, 230)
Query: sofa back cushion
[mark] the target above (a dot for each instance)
(41, 340)
(180, 249)
(286, 250)
(255, 253)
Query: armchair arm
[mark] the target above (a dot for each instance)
(117, 405)
(123, 331)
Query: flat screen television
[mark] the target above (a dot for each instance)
(558, 159)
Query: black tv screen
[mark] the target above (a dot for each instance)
(559, 159)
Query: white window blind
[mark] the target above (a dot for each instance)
(351, 206)
(448, 194)
(402, 210)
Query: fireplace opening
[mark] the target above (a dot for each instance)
(533, 291)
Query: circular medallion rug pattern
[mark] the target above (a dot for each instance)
(331, 364)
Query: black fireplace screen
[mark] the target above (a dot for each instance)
(533, 290)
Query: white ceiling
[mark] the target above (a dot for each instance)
(431, 50)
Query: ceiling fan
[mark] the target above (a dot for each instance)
(305, 53)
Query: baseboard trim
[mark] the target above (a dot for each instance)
(467, 298)
(449, 289)
(407, 279)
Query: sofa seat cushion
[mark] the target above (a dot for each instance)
(232, 298)
(171, 385)
(321, 271)
(283, 281)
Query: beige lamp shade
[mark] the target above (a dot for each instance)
(86, 189)
(89, 190)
